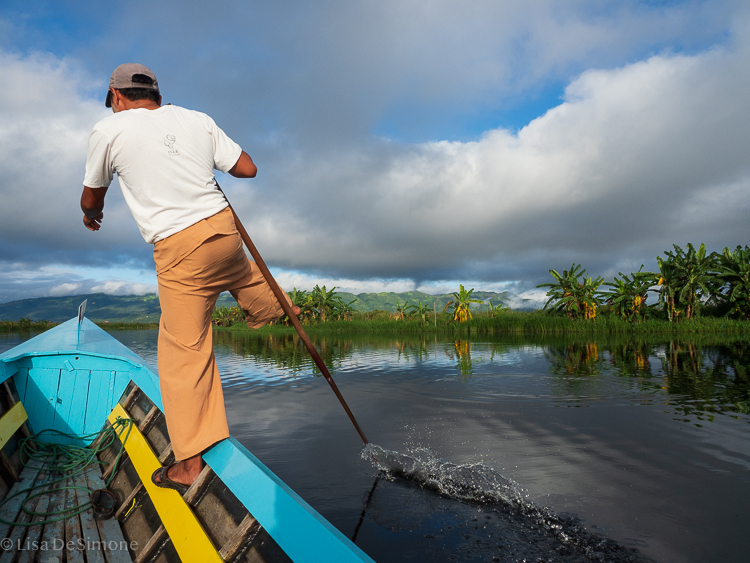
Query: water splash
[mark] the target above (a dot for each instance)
(472, 482)
(479, 483)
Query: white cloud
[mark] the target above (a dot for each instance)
(46, 117)
(120, 287)
(521, 295)
(23, 281)
(300, 280)
(623, 166)
(65, 289)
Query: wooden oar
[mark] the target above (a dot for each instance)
(281, 296)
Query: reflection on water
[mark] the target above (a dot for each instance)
(574, 359)
(697, 378)
(462, 356)
(627, 398)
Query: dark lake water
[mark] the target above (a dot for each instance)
(504, 449)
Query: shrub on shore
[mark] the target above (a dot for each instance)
(25, 325)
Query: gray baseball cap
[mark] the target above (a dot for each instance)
(123, 77)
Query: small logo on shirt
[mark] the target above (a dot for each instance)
(169, 141)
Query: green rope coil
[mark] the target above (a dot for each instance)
(69, 460)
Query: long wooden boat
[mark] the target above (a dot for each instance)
(76, 380)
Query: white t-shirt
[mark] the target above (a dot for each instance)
(165, 160)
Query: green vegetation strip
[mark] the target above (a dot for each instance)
(25, 325)
(509, 322)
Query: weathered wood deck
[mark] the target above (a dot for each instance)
(143, 527)
(156, 521)
(79, 538)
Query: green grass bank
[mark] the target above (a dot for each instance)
(509, 322)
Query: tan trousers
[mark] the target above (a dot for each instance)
(193, 267)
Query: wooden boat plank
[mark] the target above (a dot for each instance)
(114, 464)
(16, 539)
(167, 455)
(127, 502)
(124, 481)
(89, 530)
(149, 419)
(130, 396)
(141, 522)
(115, 545)
(183, 528)
(153, 544)
(217, 515)
(140, 408)
(73, 547)
(34, 539)
(199, 486)
(34, 533)
(54, 532)
(18, 533)
(108, 454)
(98, 440)
(243, 535)
(11, 509)
(158, 436)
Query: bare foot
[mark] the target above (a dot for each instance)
(185, 471)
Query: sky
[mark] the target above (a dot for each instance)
(400, 144)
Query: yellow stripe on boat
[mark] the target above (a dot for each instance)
(12, 421)
(188, 537)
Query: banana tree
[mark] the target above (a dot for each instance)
(422, 313)
(402, 310)
(494, 309)
(303, 300)
(461, 303)
(734, 270)
(323, 301)
(226, 316)
(687, 278)
(344, 310)
(577, 298)
(628, 295)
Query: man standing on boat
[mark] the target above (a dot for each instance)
(165, 157)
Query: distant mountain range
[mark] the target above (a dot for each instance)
(145, 308)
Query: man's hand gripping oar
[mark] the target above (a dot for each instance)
(281, 296)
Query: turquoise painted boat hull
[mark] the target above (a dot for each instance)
(71, 377)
